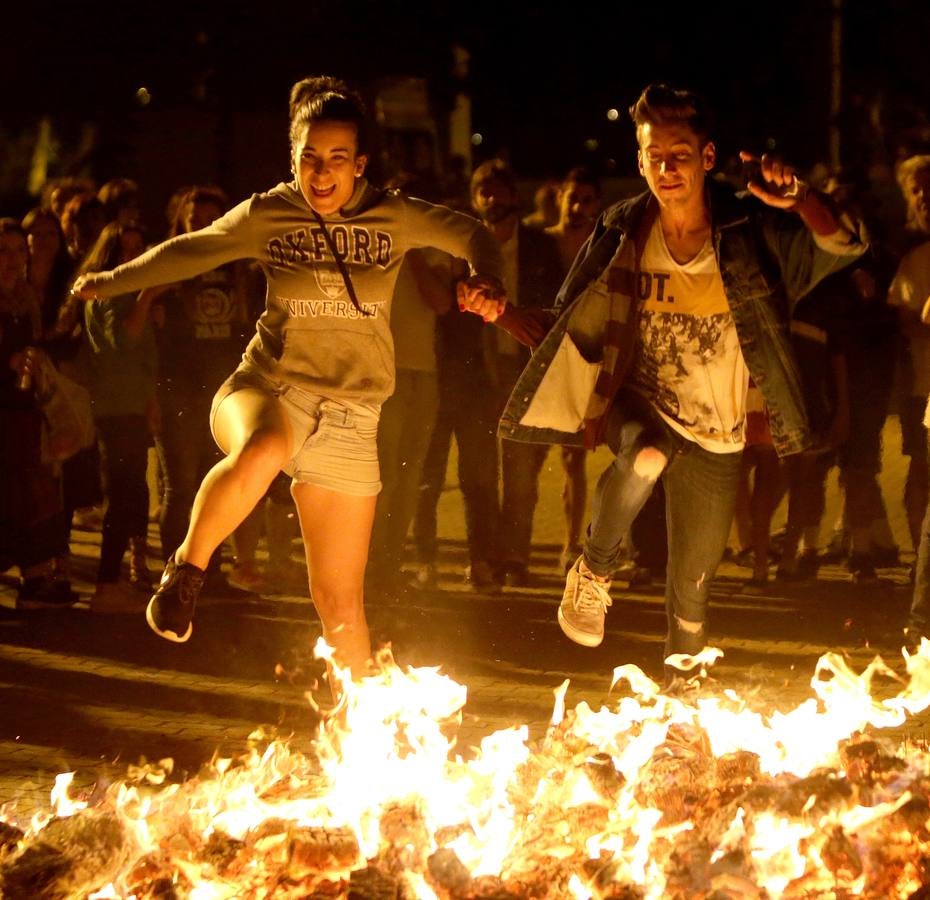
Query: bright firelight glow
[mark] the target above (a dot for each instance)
(683, 794)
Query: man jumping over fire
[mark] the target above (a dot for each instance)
(680, 295)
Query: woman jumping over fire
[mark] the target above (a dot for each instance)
(306, 397)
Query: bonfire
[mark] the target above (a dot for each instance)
(694, 792)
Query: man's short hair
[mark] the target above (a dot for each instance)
(495, 169)
(913, 165)
(660, 104)
(583, 175)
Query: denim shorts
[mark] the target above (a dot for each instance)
(335, 441)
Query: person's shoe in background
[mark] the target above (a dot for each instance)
(246, 576)
(139, 575)
(482, 577)
(115, 598)
(424, 579)
(515, 575)
(885, 557)
(861, 568)
(45, 592)
(809, 563)
(288, 577)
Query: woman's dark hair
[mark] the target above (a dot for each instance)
(199, 193)
(105, 254)
(60, 275)
(323, 98)
(118, 194)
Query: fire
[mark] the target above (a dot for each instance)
(689, 793)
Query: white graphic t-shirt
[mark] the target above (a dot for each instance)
(689, 362)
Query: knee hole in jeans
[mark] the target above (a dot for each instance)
(690, 627)
(649, 463)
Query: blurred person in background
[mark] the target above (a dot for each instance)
(122, 371)
(545, 212)
(30, 489)
(423, 291)
(759, 490)
(201, 327)
(579, 203)
(120, 199)
(531, 278)
(50, 273)
(82, 220)
(910, 292)
(467, 412)
(50, 267)
(58, 192)
(820, 328)
(907, 297)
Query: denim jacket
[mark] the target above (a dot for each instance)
(768, 260)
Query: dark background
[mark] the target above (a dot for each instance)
(540, 82)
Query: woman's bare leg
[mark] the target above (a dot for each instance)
(255, 434)
(336, 530)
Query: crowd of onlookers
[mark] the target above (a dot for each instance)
(89, 389)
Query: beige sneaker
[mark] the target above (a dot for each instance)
(584, 606)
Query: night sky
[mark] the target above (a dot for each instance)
(541, 82)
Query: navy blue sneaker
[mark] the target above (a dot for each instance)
(171, 608)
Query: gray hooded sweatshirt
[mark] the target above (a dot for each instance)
(311, 335)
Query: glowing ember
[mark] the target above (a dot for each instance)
(688, 794)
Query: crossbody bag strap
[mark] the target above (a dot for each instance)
(343, 268)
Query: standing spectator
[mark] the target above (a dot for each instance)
(122, 389)
(579, 201)
(50, 273)
(467, 411)
(81, 223)
(819, 339)
(120, 199)
(424, 290)
(57, 193)
(30, 502)
(862, 534)
(760, 486)
(200, 329)
(545, 212)
(50, 267)
(531, 278)
(908, 295)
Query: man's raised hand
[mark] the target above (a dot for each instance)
(775, 183)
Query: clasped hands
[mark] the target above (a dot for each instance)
(482, 295)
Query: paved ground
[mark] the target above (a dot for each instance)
(94, 694)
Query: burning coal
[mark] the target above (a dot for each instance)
(688, 794)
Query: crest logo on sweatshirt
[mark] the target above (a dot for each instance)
(329, 281)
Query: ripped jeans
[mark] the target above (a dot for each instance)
(700, 494)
